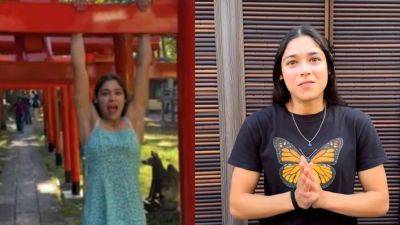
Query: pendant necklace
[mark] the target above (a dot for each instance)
(309, 141)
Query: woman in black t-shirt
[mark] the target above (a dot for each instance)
(309, 146)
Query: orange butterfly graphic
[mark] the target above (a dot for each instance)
(322, 159)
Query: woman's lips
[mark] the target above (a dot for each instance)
(306, 83)
(112, 109)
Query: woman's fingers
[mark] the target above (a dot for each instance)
(305, 166)
(303, 160)
(308, 185)
(143, 4)
(302, 183)
(307, 192)
(316, 182)
(81, 5)
(304, 199)
(302, 194)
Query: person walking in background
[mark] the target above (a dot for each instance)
(35, 102)
(27, 112)
(19, 108)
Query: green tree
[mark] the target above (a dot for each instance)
(167, 50)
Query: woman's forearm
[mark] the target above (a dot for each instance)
(137, 108)
(143, 62)
(77, 52)
(366, 204)
(81, 78)
(255, 206)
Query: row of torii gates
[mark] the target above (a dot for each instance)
(34, 54)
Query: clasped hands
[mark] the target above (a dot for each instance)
(308, 191)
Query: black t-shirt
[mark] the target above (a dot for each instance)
(268, 142)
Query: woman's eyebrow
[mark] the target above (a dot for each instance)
(289, 56)
(294, 55)
(313, 53)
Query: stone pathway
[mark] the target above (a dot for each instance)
(26, 195)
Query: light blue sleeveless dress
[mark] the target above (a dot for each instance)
(112, 191)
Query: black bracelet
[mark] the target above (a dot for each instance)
(293, 198)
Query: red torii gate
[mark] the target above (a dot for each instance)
(37, 64)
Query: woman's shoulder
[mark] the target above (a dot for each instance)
(351, 114)
(264, 115)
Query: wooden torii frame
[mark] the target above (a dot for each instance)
(22, 24)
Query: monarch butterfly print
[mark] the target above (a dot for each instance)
(322, 160)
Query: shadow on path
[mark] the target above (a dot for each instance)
(26, 194)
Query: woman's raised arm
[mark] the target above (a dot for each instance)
(137, 107)
(81, 86)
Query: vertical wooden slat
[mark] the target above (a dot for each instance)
(229, 42)
(329, 21)
(207, 154)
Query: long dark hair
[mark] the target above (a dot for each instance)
(281, 94)
(100, 83)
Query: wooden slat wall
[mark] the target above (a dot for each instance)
(366, 38)
(207, 153)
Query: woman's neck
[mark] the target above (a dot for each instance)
(305, 108)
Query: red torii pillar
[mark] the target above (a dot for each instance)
(124, 63)
(44, 108)
(53, 117)
(49, 118)
(66, 132)
(1, 109)
(74, 144)
(186, 112)
(57, 126)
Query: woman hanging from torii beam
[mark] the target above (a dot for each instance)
(110, 128)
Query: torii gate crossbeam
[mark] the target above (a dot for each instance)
(29, 17)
